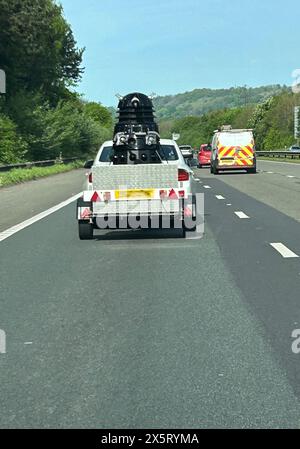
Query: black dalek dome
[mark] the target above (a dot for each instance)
(136, 110)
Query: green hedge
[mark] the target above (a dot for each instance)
(19, 175)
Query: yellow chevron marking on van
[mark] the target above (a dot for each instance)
(246, 150)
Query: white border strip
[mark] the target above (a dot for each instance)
(284, 251)
(11, 231)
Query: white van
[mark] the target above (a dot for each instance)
(233, 149)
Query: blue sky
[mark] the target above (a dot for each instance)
(172, 46)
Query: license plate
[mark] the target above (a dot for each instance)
(144, 194)
(228, 162)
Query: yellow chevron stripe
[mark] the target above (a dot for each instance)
(221, 153)
(246, 150)
(242, 157)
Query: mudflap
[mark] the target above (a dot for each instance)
(84, 210)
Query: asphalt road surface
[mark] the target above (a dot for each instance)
(145, 329)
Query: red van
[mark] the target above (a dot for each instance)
(204, 155)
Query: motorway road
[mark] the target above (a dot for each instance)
(146, 329)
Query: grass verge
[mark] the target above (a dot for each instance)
(19, 175)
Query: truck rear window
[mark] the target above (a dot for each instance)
(106, 154)
(235, 139)
(166, 152)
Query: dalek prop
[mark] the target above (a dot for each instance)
(136, 135)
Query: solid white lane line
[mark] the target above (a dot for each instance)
(284, 251)
(11, 231)
(220, 197)
(207, 187)
(241, 214)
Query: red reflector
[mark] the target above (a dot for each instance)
(95, 197)
(90, 177)
(86, 213)
(188, 212)
(181, 193)
(183, 175)
(173, 195)
(163, 194)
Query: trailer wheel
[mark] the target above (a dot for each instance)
(86, 230)
(215, 170)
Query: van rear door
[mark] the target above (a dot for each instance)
(236, 149)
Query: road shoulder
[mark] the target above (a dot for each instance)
(23, 201)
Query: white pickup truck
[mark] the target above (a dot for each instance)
(147, 196)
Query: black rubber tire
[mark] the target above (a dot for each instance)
(215, 170)
(199, 166)
(85, 230)
(252, 170)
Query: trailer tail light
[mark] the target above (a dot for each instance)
(183, 175)
(90, 178)
(181, 193)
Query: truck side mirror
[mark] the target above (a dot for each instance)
(89, 164)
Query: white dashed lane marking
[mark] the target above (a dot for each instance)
(207, 187)
(220, 197)
(284, 251)
(241, 214)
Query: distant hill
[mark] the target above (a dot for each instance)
(201, 101)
